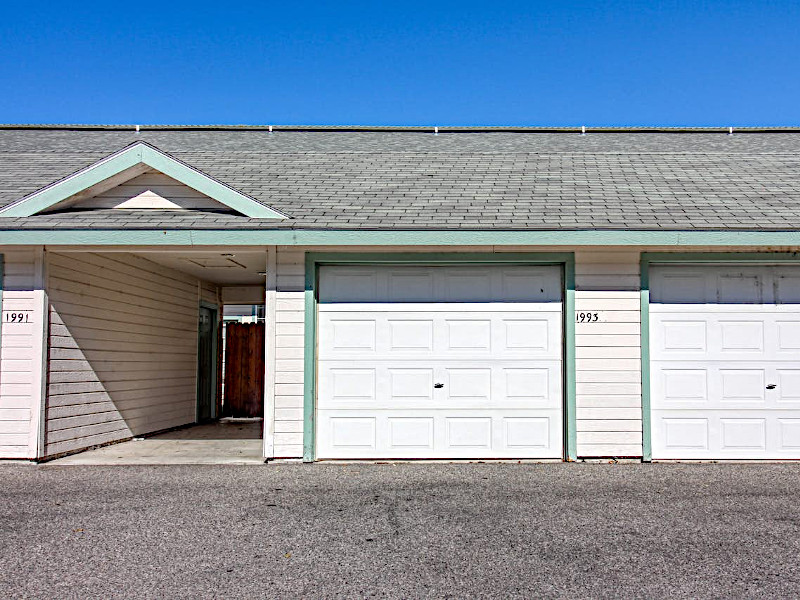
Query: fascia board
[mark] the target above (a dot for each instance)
(293, 237)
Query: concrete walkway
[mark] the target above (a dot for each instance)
(220, 443)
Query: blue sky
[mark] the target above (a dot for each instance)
(402, 63)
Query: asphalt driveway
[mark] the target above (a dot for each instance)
(404, 530)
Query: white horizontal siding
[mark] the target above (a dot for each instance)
(608, 363)
(22, 354)
(210, 293)
(608, 353)
(289, 340)
(150, 190)
(608, 369)
(123, 348)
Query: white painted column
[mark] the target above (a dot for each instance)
(41, 306)
(608, 367)
(270, 303)
(23, 360)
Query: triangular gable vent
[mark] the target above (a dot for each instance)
(139, 177)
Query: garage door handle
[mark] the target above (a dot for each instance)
(438, 385)
(771, 386)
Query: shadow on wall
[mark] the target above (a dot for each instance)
(123, 349)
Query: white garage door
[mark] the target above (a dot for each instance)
(439, 362)
(725, 362)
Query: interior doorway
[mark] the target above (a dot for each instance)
(243, 361)
(207, 364)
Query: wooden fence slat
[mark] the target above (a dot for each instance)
(244, 370)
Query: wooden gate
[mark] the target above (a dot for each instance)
(244, 370)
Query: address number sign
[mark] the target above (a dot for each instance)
(16, 316)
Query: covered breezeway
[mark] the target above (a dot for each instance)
(135, 355)
(229, 442)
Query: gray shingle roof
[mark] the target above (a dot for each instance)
(417, 180)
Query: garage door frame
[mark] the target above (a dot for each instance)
(689, 259)
(315, 260)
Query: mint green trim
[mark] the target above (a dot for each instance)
(314, 260)
(766, 258)
(678, 258)
(310, 360)
(570, 379)
(73, 184)
(292, 237)
(138, 154)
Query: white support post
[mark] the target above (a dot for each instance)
(270, 303)
(41, 312)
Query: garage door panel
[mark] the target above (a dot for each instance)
(788, 388)
(439, 362)
(389, 334)
(352, 432)
(684, 286)
(789, 430)
(788, 334)
(409, 385)
(439, 433)
(384, 385)
(444, 307)
(728, 434)
(410, 334)
(411, 285)
(680, 385)
(532, 386)
(722, 384)
(468, 334)
(354, 284)
(351, 384)
(740, 288)
(725, 364)
(787, 286)
(679, 336)
(350, 334)
(725, 336)
(458, 285)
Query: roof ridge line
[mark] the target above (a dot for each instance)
(406, 128)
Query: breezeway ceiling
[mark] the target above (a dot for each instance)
(229, 268)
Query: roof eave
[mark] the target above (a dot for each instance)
(138, 153)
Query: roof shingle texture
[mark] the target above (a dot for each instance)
(417, 180)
